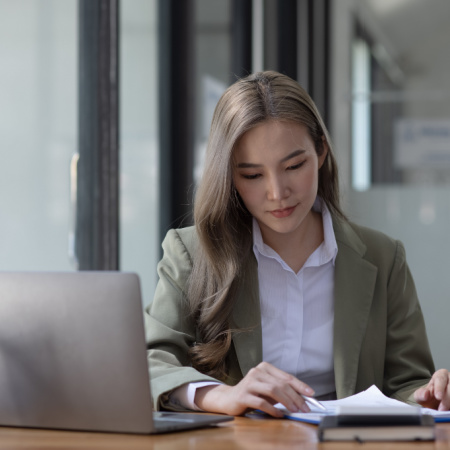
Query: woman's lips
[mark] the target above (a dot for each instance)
(280, 213)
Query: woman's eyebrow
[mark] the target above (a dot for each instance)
(293, 154)
(245, 165)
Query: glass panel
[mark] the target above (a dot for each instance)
(140, 247)
(406, 193)
(139, 166)
(38, 127)
(213, 74)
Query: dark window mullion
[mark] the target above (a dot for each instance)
(287, 37)
(241, 38)
(176, 112)
(97, 224)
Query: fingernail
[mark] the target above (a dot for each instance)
(309, 391)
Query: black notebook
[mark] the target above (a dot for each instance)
(388, 427)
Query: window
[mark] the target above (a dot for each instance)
(38, 133)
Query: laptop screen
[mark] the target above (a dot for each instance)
(72, 352)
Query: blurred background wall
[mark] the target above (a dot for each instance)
(378, 70)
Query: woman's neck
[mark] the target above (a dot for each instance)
(296, 247)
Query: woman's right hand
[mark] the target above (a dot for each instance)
(261, 388)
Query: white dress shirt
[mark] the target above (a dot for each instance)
(297, 309)
(297, 314)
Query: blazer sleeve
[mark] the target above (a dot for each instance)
(170, 330)
(408, 362)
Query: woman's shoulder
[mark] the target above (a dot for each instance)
(181, 240)
(366, 240)
(371, 235)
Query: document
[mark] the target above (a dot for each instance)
(366, 401)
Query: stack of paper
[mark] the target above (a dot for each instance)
(370, 398)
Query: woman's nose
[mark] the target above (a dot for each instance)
(277, 189)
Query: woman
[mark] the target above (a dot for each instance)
(274, 294)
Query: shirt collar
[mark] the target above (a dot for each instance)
(328, 248)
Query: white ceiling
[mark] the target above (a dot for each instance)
(418, 30)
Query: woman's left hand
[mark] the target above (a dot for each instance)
(436, 394)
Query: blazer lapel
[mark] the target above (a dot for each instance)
(354, 286)
(247, 339)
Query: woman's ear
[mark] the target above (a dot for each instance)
(324, 154)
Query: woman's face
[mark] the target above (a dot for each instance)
(275, 171)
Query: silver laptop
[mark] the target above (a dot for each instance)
(73, 355)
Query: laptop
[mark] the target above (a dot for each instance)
(73, 355)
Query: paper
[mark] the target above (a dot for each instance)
(371, 397)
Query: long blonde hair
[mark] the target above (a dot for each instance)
(222, 222)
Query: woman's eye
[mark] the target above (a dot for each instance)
(252, 176)
(296, 166)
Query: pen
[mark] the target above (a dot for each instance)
(314, 402)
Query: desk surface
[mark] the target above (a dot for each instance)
(243, 433)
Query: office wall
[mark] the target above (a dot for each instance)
(415, 207)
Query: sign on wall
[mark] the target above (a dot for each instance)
(422, 142)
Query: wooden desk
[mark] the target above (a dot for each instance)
(243, 433)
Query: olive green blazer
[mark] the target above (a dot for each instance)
(379, 330)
